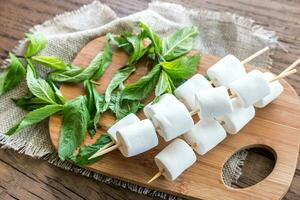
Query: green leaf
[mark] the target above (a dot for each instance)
(122, 42)
(94, 71)
(30, 103)
(50, 62)
(143, 87)
(34, 117)
(95, 106)
(179, 43)
(116, 80)
(40, 88)
(122, 107)
(36, 42)
(86, 151)
(156, 41)
(139, 49)
(13, 75)
(60, 99)
(104, 61)
(164, 85)
(75, 117)
(181, 68)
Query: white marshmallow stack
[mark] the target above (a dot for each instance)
(213, 102)
(276, 90)
(236, 120)
(175, 159)
(226, 70)
(251, 88)
(187, 91)
(137, 138)
(125, 121)
(205, 135)
(171, 117)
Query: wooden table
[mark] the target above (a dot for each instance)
(22, 177)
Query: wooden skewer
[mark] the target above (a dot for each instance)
(157, 175)
(282, 75)
(102, 148)
(292, 66)
(105, 151)
(255, 55)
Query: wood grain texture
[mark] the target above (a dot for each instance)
(275, 127)
(17, 16)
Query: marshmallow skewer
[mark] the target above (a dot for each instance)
(133, 139)
(229, 69)
(174, 159)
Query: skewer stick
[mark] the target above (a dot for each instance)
(102, 148)
(292, 66)
(282, 75)
(255, 55)
(105, 151)
(157, 175)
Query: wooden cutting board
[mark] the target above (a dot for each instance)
(276, 127)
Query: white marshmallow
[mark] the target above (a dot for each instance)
(251, 88)
(175, 158)
(276, 90)
(236, 120)
(164, 102)
(170, 116)
(205, 135)
(226, 70)
(186, 92)
(137, 138)
(213, 102)
(127, 120)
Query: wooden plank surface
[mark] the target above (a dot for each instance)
(19, 173)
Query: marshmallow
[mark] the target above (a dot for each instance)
(213, 102)
(170, 116)
(129, 119)
(165, 100)
(251, 88)
(276, 90)
(205, 135)
(236, 120)
(137, 138)
(226, 70)
(186, 92)
(175, 158)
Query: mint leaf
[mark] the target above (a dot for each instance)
(122, 107)
(179, 43)
(104, 61)
(181, 68)
(143, 87)
(30, 103)
(116, 80)
(60, 99)
(40, 88)
(50, 62)
(139, 49)
(13, 75)
(75, 117)
(164, 85)
(36, 42)
(156, 41)
(86, 151)
(34, 117)
(122, 42)
(94, 71)
(95, 106)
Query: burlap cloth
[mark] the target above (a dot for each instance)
(220, 34)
